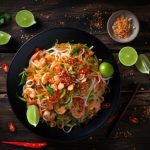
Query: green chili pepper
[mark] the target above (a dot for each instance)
(23, 79)
(50, 90)
(74, 51)
(74, 119)
(63, 94)
(21, 98)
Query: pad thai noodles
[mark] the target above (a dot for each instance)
(65, 84)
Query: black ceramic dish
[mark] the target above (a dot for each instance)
(45, 40)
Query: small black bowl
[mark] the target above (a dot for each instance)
(45, 40)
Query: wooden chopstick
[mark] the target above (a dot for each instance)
(118, 118)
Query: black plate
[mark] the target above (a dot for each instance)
(45, 40)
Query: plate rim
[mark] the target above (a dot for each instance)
(108, 113)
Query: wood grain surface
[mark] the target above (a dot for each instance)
(81, 15)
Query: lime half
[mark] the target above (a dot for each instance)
(33, 115)
(143, 64)
(25, 18)
(128, 56)
(4, 38)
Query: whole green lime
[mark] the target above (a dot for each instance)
(25, 18)
(106, 69)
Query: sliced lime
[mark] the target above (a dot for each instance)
(128, 56)
(25, 18)
(4, 38)
(143, 64)
(33, 115)
(106, 69)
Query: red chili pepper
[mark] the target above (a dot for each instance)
(106, 105)
(55, 96)
(11, 126)
(85, 70)
(134, 119)
(79, 100)
(5, 67)
(27, 144)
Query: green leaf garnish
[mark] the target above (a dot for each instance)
(74, 119)
(50, 90)
(23, 79)
(21, 98)
(74, 51)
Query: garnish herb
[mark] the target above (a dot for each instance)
(23, 79)
(50, 90)
(74, 51)
(4, 18)
(63, 94)
(21, 98)
(74, 119)
(67, 101)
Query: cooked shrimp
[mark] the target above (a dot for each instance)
(60, 109)
(49, 115)
(42, 62)
(94, 105)
(36, 56)
(78, 112)
(45, 78)
(29, 92)
(50, 105)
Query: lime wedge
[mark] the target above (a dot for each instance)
(25, 18)
(143, 64)
(128, 56)
(4, 38)
(106, 69)
(33, 115)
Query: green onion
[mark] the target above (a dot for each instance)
(74, 51)
(67, 101)
(40, 96)
(85, 46)
(69, 125)
(50, 71)
(95, 57)
(74, 119)
(90, 98)
(72, 72)
(50, 90)
(21, 98)
(23, 79)
(63, 94)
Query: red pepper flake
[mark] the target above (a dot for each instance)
(97, 21)
(36, 50)
(106, 105)
(134, 119)
(5, 68)
(111, 118)
(11, 126)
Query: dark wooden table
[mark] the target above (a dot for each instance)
(84, 15)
